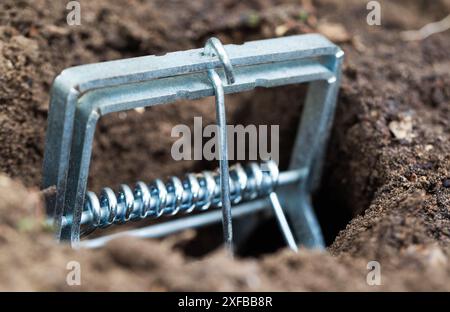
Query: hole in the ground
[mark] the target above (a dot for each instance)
(132, 146)
(331, 209)
(265, 239)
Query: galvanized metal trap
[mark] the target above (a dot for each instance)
(82, 94)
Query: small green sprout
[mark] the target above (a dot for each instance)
(302, 16)
(253, 19)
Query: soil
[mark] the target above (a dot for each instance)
(385, 193)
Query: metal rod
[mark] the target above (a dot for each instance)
(195, 221)
(284, 226)
(170, 227)
(223, 154)
(214, 47)
(284, 178)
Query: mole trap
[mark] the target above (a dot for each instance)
(81, 95)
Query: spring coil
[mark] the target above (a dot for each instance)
(196, 192)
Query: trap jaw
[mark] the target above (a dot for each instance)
(81, 95)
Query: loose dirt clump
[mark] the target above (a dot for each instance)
(385, 194)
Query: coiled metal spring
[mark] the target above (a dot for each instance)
(195, 192)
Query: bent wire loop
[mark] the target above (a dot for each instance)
(81, 95)
(223, 145)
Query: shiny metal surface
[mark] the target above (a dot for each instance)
(83, 94)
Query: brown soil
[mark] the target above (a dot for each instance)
(385, 195)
